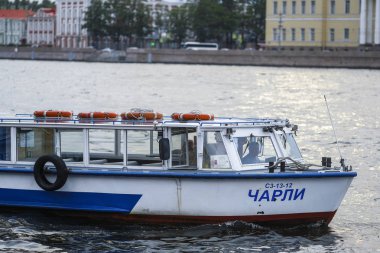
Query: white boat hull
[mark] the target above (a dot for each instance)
(185, 197)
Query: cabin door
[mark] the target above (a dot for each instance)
(183, 142)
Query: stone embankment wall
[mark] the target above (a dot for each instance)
(45, 54)
(286, 58)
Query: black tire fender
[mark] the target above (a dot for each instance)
(39, 172)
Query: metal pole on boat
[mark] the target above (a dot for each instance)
(336, 139)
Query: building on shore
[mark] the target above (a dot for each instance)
(41, 28)
(316, 23)
(370, 22)
(70, 19)
(13, 26)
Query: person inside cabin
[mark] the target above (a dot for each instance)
(240, 143)
(192, 154)
(252, 156)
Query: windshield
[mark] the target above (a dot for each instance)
(290, 145)
(255, 149)
(214, 152)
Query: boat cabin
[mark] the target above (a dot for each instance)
(163, 143)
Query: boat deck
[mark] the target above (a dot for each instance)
(189, 173)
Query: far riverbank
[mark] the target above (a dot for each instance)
(285, 58)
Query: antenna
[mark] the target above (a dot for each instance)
(336, 139)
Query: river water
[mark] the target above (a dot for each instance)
(293, 93)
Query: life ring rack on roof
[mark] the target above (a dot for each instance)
(141, 114)
(194, 115)
(52, 114)
(98, 115)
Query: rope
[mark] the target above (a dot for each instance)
(196, 112)
(141, 110)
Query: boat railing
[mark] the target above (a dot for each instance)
(218, 122)
(76, 121)
(246, 122)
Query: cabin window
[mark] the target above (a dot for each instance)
(5, 143)
(255, 149)
(105, 146)
(290, 145)
(214, 151)
(184, 147)
(34, 142)
(71, 145)
(142, 147)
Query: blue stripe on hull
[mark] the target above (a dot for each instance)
(80, 201)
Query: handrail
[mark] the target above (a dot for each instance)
(219, 121)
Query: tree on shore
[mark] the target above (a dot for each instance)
(228, 22)
(96, 21)
(255, 17)
(216, 20)
(179, 22)
(142, 23)
(46, 4)
(206, 24)
(119, 20)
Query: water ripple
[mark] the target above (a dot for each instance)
(291, 93)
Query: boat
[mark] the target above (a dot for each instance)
(149, 168)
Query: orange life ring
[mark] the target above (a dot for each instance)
(52, 114)
(141, 115)
(192, 116)
(98, 115)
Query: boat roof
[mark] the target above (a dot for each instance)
(219, 122)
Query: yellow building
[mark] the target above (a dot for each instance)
(313, 23)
